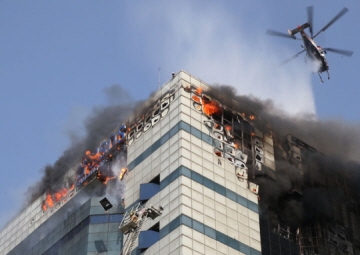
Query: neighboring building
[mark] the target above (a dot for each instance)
(198, 155)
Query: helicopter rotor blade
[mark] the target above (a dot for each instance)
(288, 60)
(276, 33)
(310, 12)
(338, 16)
(342, 52)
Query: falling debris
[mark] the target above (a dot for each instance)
(105, 204)
(122, 173)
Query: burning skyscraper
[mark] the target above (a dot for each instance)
(229, 175)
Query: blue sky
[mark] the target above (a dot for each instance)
(57, 57)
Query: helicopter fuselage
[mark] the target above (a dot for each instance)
(314, 52)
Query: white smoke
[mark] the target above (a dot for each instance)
(211, 44)
(115, 190)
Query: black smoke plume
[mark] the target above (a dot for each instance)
(101, 122)
(331, 175)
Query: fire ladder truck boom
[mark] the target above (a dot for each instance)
(132, 223)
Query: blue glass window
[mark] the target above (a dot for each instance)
(187, 221)
(206, 138)
(241, 200)
(222, 238)
(220, 189)
(196, 132)
(148, 238)
(198, 226)
(208, 183)
(252, 206)
(233, 244)
(164, 138)
(115, 217)
(174, 224)
(96, 219)
(197, 177)
(184, 126)
(244, 249)
(210, 232)
(185, 171)
(231, 195)
(148, 190)
(164, 231)
(174, 130)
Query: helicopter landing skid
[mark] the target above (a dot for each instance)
(328, 75)
(321, 78)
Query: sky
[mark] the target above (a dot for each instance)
(58, 57)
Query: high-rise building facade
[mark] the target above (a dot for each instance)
(204, 160)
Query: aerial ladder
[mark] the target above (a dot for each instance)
(132, 223)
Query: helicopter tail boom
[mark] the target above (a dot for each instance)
(298, 29)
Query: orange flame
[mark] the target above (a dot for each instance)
(252, 133)
(44, 207)
(198, 90)
(72, 186)
(252, 117)
(228, 127)
(93, 157)
(60, 194)
(211, 107)
(236, 145)
(195, 98)
(49, 200)
(218, 153)
(87, 169)
(122, 173)
(104, 179)
(107, 179)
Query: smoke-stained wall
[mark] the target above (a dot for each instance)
(317, 171)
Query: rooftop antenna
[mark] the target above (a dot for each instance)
(159, 79)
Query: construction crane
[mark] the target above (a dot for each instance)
(132, 223)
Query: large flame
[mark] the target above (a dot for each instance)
(211, 107)
(60, 194)
(49, 200)
(93, 157)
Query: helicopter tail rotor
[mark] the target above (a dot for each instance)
(276, 33)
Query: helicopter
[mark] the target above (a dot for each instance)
(313, 51)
